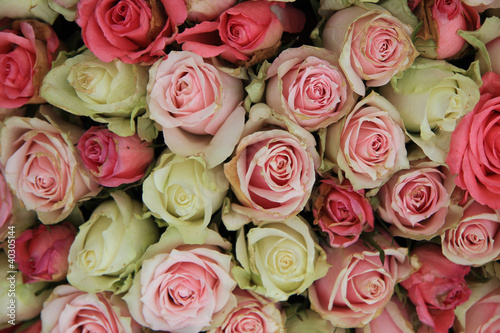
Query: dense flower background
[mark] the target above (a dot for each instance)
(248, 166)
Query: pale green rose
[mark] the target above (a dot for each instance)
(28, 9)
(309, 321)
(279, 259)
(18, 301)
(184, 193)
(432, 96)
(112, 93)
(109, 245)
(67, 8)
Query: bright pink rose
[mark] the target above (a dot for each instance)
(183, 288)
(69, 310)
(473, 155)
(206, 10)
(418, 202)
(394, 319)
(358, 285)
(114, 160)
(27, 49)
(197, 105)
(307, 85)
(341, 212)
(42, 252)
(42, 166)
(437, 288)
(476, 239)
(134, 31)
(368, 145)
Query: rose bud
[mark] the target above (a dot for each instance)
(114, 160)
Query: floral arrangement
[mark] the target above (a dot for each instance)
(217, 166)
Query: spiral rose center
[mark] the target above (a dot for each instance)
(249, 325)
(237, 33)
(90, 327)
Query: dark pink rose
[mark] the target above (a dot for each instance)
(42, 252)
(472, 154)
(134, 31)
(437, 288)
(341, 212)
(114, 160)
(27, 49)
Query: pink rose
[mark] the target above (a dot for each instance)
(134, 31)
(206, 10)
(272, 171)
(42, 166)
(437, 288)
(183, 288)
(476, 239)
(27, 50)
(493, 48)
(472, 152)
(373, 45)
(394, 319)
(197, 105)
(69, 310)
(368, 145)
(419, 201)
(252, 313)
(358, 285)
(341, 212)
(114, 160)
(42, 252)
(307, 85)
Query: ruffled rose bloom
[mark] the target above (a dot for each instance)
(368, 145)
(419, 202)
(27, 50)
(253, 313)
(183, 288)
(184, 192)
(358, 284)
(476, 239)
(437, 288)
(112, 93)
(70, 310)
(439, 39)
(279, 259)
(481, 313)
(207, 10)
(341, 212)
(273, 170)
(109, 246)
(373, 45)
(42, 166)
(134, 31)
(42, 252)
(394, 319)
(197, 106)
(114, 160)
(307, 85)
(472, 152)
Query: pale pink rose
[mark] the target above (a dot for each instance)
(419, 201)
(273, 170)
(183, 288)
(27, 49)
(42, 166)
(202, 10)
(197, 106)
(134, 31)
(358, 285)
(472, 154)
(69, 310)
(253, 314)
(307, 85)
(112, 159)
(341, 212)
(42, 252)
(437, 288)
(368, 145)
(476, 239)
(394, 319)
(373, 45)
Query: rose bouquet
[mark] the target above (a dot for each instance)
(223, 166)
